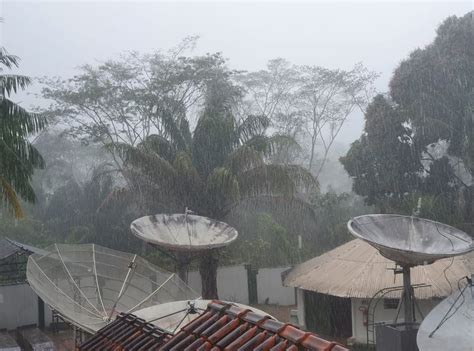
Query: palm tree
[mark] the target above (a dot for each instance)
(18, 157)
(223, 164)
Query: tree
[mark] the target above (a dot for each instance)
(417, 150)
(383, 163)
(326, 98)
(308, 102)
(225, 167)
(435, 90)
(142, 111)
(18, 157)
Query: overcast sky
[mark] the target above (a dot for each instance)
(53, 38)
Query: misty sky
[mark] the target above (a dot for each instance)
(52, 38)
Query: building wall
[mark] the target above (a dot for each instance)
(300, 308)
(232, 285)
(382, 314)
(19, 307)
(270, 288)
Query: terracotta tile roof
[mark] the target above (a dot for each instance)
(127, 332)
(221, 327)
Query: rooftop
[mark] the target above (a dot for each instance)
(222, 326)
(357, 269)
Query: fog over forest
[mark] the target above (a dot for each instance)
(159, 106)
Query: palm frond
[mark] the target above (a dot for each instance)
(8, 60)
(295, 212)
(16, 120)
(271, 145)
(159, 145)
(122, 150)
(175, 129)
(252, 126)
(278, 142)
(281, 180)
(222, 190)
(214, 139)
(243, 159)
(10, 198)
(10, 83)
(188, 175)
(150, 164)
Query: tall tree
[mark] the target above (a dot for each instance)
(326, 98)
(309, 103)
(383, 163)
(143, 111)
(435, 88)
(226, 166)
(18, 157)
(424, 138)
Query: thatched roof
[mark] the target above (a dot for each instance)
(356, 269)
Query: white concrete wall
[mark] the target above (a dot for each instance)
(301, 308)
(269, 287)
(232, 285)
(359, 330)
(19, 307)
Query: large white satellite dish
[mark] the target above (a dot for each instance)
(185, 236)
(174, 315)
(410, 241)
(183, 232)
(450, 325)
(88, 285)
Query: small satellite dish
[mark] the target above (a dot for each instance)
(88, 285)
(450, 325)
(183, 232)
(174, 315)
(410, 241)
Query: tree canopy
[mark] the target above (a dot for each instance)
(418, 142)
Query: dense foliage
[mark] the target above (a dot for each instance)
(18, 157)
(416, 153)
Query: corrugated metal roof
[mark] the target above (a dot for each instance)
(10, 247)
(28, 248)
(7, 249)
(356, 269)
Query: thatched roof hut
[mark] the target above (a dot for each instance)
(358, 270)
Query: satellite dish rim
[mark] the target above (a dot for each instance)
(430, 257)
(182, 247)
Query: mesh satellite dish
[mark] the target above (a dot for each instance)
(88, 285)
(450, 325)
(174, 315)
(183, 235)
(410, 241)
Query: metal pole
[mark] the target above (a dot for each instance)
(407, 295)
(182, 266)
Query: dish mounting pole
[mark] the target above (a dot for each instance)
(407, 296)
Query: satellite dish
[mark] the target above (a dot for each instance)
(174, 315)
(88, 285)
(450, 325)
(183, 232)
(410, 241)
